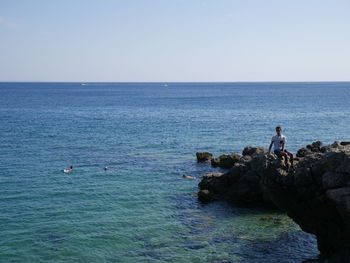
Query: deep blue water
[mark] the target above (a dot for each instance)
(143, 211)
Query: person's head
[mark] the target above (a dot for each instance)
(71, 167)
(279, 130)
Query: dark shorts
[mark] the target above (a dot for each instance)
(279, 151)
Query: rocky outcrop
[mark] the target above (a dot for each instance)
(203, 157)
(250, 151)
(226, 160)
(242, 183)
(316, 194)
(314, 147)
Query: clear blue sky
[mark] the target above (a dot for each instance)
(175, 40)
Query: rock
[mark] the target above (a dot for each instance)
(302, 152)
(315, 146)
(335, 147)
(262, 161)
(250, 178)
(245, 159)
(341, 197)
(226, 160)
(254, 150)
(239, 185)
(311, 148)
(203, 157)
(205, 196)
(318, 199)
(316, 194)
(213, 182)
(332, 180)
(209, 175)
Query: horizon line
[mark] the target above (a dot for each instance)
(269, 81)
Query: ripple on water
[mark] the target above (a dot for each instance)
(143, 211)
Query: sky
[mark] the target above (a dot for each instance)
(174, 40)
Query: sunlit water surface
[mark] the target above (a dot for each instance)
(142, 210)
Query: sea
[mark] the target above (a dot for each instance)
(141, 209)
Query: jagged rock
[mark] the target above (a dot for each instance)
(209, 175)
(203, 157)
(315, 146)
(241, 184)
(245, 159)
(302, 152)
(334, 147)
(332, 180)
(226, 160)
(309, 149)
(319, 198)
(205, 196)
(316, 194)
(213, 183)
(249, 150)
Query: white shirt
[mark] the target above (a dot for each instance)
(278, 141)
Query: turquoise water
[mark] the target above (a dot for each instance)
(143, 211)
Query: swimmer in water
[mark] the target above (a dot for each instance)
(68, 170)
(189, 177)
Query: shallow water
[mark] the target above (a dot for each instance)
(143, 211)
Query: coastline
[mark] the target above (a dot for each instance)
(315, 193)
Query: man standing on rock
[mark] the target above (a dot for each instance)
(279, 142)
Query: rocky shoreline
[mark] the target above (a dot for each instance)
(315, 193)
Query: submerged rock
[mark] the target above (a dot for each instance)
(315, 194)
